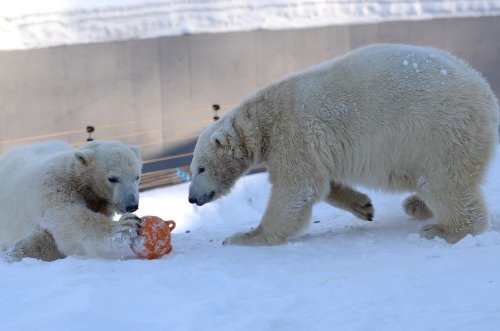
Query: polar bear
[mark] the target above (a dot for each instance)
(57, 201)
(386, 116)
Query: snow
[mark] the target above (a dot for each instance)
(443, 72)
(28, 24)
(341, 274)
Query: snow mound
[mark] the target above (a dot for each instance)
(28, 24)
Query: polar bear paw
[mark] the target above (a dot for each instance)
(126, 228)
(431, 231)
(416, 208)
(39, 245)
(434, 230)
(346, 198)
(252, 238)
(363, 209)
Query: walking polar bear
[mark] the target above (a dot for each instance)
(57, 201)
(387, 116)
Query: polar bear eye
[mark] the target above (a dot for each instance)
(137, 178)
(112, 179)
(201, 170)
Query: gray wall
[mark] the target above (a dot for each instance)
(158, 92)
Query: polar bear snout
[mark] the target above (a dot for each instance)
(132, 208)
(200, 200)
(128, 207)
(128, 203)
(201, 190)
(131, 203)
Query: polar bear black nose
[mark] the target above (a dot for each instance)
(192, 200)
(131, 208)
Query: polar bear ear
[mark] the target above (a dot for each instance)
(218, 138)
(137, 151)
(84, 156)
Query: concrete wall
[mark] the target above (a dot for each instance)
(159, 92)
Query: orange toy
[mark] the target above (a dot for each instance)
(154, 238)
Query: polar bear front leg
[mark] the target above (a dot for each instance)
(288, 212)
(348, 199)
(86, 233)
(38, 245)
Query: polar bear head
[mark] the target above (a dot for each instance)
(111, 170)
(221, 156)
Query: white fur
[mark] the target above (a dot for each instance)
(366, 118)
(53, 192)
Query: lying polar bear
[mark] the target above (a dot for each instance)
(390, 117)
(57, 201)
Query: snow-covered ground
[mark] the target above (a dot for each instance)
(32, 24)
(341, 274)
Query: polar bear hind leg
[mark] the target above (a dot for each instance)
(415, 207)
(459, 211)
(39, 245)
